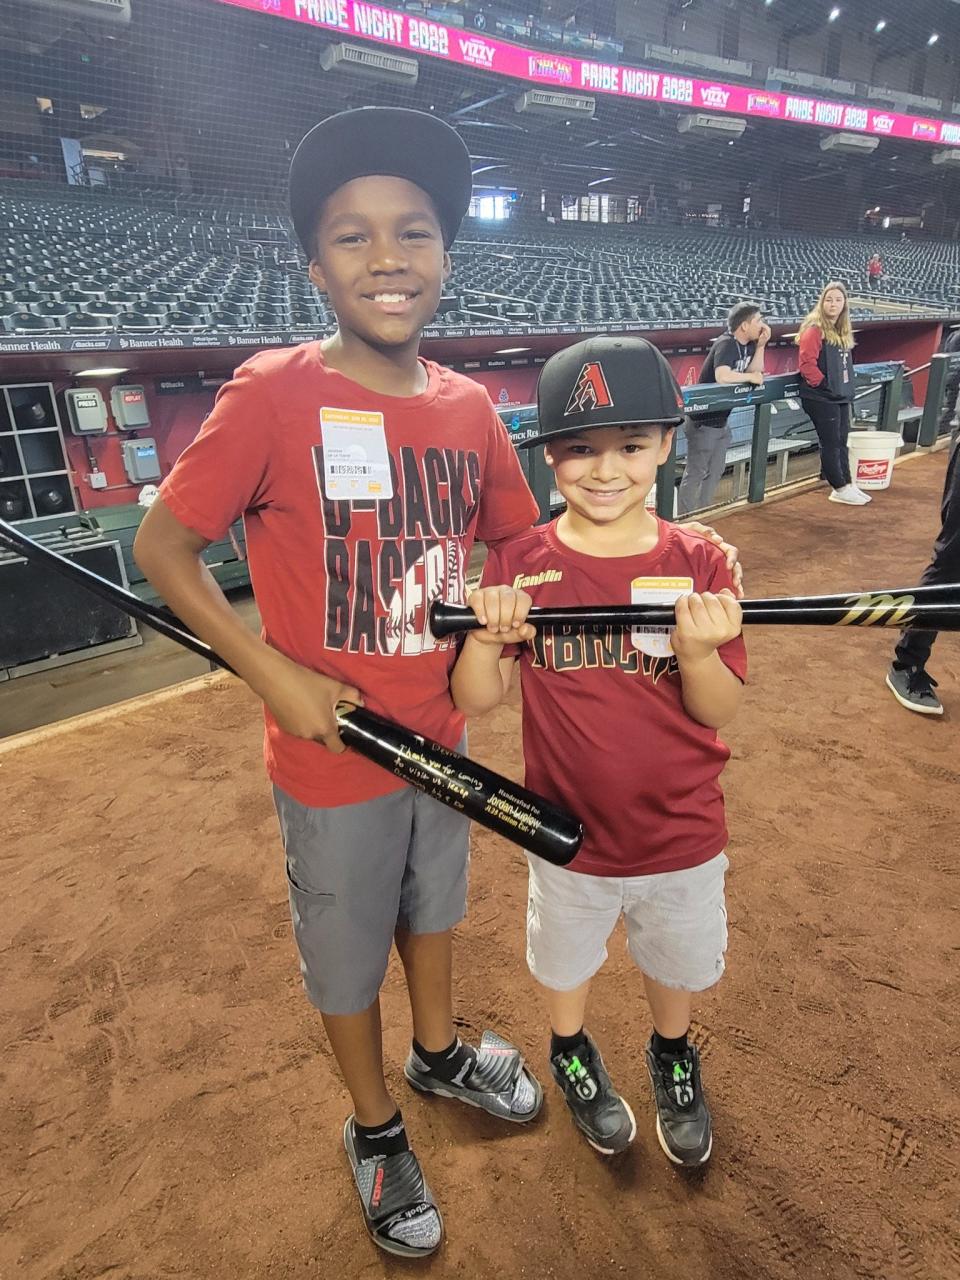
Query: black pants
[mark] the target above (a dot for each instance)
(951, 392)
(915, 645)
(832, 423)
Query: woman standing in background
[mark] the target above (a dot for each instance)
(826, 387)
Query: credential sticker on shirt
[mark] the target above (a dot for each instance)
(356, 463)
(656, 640)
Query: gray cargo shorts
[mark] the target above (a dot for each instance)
(357, 872)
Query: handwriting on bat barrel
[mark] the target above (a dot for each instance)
(873, 610)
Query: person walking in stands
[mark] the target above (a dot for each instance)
(874, 272)
(735, 357)
(826, 387)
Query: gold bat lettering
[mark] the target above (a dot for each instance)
(872, 610)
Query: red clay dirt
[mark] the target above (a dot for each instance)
(171, 1108)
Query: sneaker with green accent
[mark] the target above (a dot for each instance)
(598, 1111)
(684, 1127)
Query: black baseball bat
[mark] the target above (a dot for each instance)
(935, 608)
(529, 820)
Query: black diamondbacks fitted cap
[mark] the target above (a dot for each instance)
(605, 382)
(392, 142)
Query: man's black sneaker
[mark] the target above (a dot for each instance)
(598, 1111)
(684, 1128)
(913, 689)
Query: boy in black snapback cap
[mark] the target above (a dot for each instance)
(619, 727)
(364, 475)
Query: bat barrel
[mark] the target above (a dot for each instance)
(498, 804)
(874, 613)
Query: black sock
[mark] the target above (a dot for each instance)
(455, 1062)
(387, 1139)
(564, 1044)
(663, 1046)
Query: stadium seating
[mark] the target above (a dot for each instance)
(86, 261)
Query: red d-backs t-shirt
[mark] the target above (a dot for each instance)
(344, 585)
(605, 733)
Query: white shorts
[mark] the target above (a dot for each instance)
(676, 924)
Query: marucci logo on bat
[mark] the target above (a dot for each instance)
(877, 610)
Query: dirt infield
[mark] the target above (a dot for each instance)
(170, 1106)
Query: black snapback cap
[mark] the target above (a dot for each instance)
(605, 382)
(393, 142)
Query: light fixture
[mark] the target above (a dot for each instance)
(510, 351)
(934, 37)
(596, 182)
(834, 15)
(100, 373)
(880, 26)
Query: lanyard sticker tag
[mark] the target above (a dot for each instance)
(656, 640)
(356, 463)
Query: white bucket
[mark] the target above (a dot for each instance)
(871, 457)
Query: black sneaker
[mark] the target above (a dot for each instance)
(913, 689)
(684, 1128)
(598, 1111)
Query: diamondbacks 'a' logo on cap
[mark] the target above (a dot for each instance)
(591, 391)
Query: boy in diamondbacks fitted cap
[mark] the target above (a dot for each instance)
(364, 475)
(621, 728)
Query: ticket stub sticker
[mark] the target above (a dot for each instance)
(356, 463)
(656, 640)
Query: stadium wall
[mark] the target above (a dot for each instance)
(176, 418)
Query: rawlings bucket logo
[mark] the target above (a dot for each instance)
(872, 468)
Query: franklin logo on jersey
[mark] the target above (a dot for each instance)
(591, 391)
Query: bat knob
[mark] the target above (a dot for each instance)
(446, 619)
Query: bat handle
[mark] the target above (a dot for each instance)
(447, 619)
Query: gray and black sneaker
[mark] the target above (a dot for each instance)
(684, 1128)
(913, 688)
(598, 1111)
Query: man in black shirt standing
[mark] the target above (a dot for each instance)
(736, 357)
